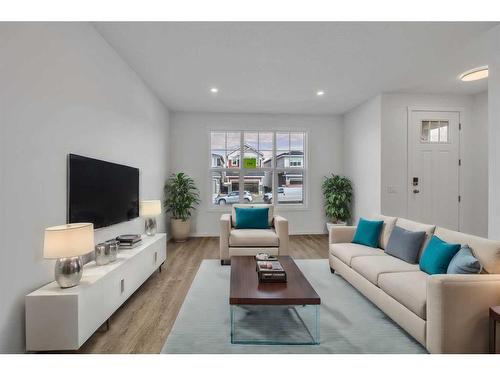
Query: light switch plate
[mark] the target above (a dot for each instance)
(391, 189)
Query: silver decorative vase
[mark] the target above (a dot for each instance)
(101, 254)
(113, 250)
(68, 271)
(150, 226)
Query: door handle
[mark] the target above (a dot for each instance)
(416, 191)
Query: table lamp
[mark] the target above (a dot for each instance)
(67, 243)
(149, 210)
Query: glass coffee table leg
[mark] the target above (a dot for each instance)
(275, 324)
(232, 323)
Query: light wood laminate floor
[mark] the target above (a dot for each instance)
(142, 324)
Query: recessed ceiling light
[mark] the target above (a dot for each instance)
(214, 90)
(474, 74)
(320, 93)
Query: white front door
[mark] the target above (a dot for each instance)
(433, 167)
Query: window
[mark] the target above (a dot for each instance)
(434, 131)
(258, 167)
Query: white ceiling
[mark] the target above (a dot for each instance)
(278, 67)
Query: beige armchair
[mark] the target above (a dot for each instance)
(273, 240)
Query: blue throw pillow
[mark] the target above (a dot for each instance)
(252, 218)
(405, 244)
(437, 256)
(368, 232)
(464, 262)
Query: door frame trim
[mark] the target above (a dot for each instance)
(461, 120)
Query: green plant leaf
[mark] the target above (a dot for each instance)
(181, 195)
(337, 192)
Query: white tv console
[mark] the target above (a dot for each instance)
(63, 319)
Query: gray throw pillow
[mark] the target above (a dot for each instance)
(405, 244)
(464, 262)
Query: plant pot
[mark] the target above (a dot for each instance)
(337, 224)
(180, 229)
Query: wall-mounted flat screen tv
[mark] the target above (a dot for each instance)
(101, 192)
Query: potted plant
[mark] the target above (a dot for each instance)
(337, 191)
(181, 195)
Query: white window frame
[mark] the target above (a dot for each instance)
(274, 169)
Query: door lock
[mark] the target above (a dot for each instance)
(416, 191)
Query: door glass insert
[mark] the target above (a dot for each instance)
(434, 131)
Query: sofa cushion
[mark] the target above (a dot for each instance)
(368, 232)
(347, 251)
(270, 212)
(415, 226)
(387, 228)
(408, 288)
(485, 250)
(371, 267)
(464, 262)
(405, 244)
(253, 238)
(252, 218)
(437, 256)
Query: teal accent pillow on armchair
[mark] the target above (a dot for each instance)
(252, 218)
(437, 256)
(368, 232)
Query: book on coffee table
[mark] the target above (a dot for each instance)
(270, 271)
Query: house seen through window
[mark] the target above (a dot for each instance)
(258, 167)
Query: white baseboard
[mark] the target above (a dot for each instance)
(308, 233)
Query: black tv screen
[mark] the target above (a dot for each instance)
(100, 192)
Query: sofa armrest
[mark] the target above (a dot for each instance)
(281, 228)
(225, 230)
(341, 234)
(457, 312)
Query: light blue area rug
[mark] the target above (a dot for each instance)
(349, 322)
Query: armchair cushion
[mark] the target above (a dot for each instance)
(269, 206)
(253, 238)
(251, 218)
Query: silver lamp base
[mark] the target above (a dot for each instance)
(150, 226)
(68, 271)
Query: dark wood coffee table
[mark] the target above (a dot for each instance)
(272, 313)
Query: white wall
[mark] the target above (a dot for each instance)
(362, 156)
(63, 90)
(190, 150)
(474, 218)
(494, 134)
(473, 179)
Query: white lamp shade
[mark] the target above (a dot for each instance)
(150, 208)
(69, 240)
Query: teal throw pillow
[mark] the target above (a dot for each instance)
(252, 218)
(437, 256)
(368, 232)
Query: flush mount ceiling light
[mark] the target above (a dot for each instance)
(474, 74)
(320, 93)
(214, 90)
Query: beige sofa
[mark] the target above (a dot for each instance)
(445, 313)
(273, 240)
